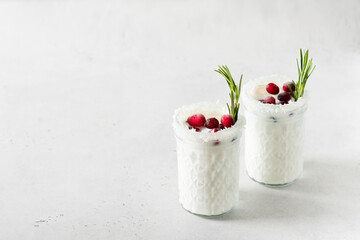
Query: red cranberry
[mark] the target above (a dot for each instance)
(214, 130)
(284, 97)
(212, 123)
(269, 100)
(196, 128)
(286, 86)
(217, 142)
(282, 103)
(227, 120)
(196, 120)
(272, 88)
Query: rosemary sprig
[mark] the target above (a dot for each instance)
(304, 71)
(234, 91)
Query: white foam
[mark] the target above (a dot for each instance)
(208, 109)
(275, 110)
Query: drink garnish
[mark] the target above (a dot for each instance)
(234, 91)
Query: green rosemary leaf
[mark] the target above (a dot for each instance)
(291, 91)
(304, 71)
(301, 58)
(234, 94)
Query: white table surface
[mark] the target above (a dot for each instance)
(87, 93)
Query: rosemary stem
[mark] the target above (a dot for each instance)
(234, 91)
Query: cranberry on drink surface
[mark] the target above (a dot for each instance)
(282, 103)
(284, 97)
(269, 100)
(214, 130)
(227, 120)
(272, 88)
(286, 86)
(196, 120)
(212, 123)
(196, 128)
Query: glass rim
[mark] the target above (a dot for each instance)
(182, 130)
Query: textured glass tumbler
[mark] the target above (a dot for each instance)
(274, 140)
(208, 164)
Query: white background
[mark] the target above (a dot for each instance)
(87, 93)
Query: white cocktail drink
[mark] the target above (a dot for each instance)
(274, 135)
(208, 162)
